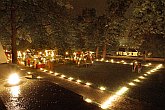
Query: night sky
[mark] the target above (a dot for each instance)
(99, 5)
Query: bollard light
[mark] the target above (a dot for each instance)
(13, 79)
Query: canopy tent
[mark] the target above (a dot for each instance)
(3, 58)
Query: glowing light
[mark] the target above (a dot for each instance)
(21, 62)
(152, 70)
(62, 76)
(46, 51)
(107, 61)
(159, 66)
(155, 69)
(50, 72)
(88, 84)
(45, 70)
(88, 100)
(113, 98)
(149, 64)
(102, 88)
(15, 91)
(145, 75)
(141, 77)
(122, 91)
(39, 77)
(102, 59)
(109, 102)
(117, 62)
(52, 54)
(13, 79)
(24, 53)
(19, 54)
(66, 53)
(29, 72)
(41, 69)
(74, 53)
(148, 72)
(122, 61)
(136, 80)
(131, 84)
(70, 78)
(78, 81)
(146, 65)
(56, 74)
(97, 59)
(112, 60)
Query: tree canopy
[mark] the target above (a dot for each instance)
(49, 24)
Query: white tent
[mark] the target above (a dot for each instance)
(3, 58)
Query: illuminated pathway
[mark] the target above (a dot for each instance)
(99, 95)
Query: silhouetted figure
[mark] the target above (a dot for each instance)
(134, 66)
(28, 60)
(139, 67)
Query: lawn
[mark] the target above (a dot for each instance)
(110, 75)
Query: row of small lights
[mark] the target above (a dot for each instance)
(77, 81)
(124, 89)
(87, 84)
(113, 61)
(119, 62)
(117, 94)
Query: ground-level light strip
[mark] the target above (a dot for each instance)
(117, 95)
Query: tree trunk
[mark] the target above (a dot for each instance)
(97, 52)
(104, 51)
(13, 32)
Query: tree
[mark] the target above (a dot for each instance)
(137, 20)
(13, 32)
(154, 45)
(8, 21)
(115, 22)
(43, 23)
(87, 31)
(150, 16)
(146, 17)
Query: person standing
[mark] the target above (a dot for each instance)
(34, 63)
(28, 60)
(48, 64)
(134, 66)
(144, 56)
(139, 67)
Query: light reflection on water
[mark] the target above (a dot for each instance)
(15, 91)
(14, 103)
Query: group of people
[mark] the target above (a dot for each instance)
(84, 58)
(137, 66)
